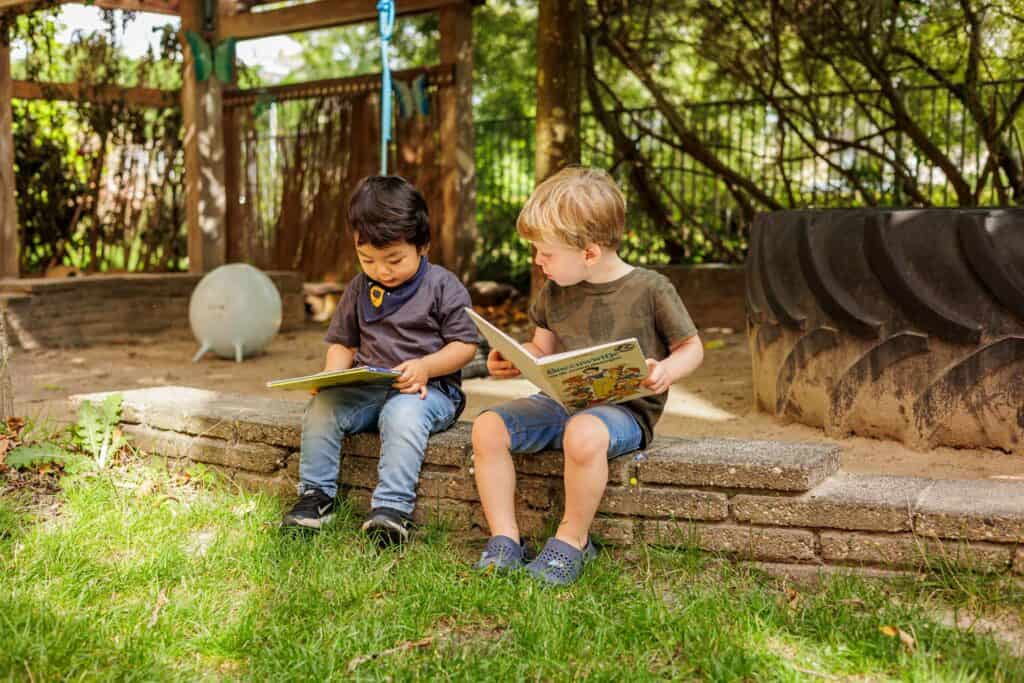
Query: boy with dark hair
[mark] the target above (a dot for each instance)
(576, 219)
(401, 312)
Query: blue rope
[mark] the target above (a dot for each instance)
(386, 21)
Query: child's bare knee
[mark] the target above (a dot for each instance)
(586, 437)
(489, 434)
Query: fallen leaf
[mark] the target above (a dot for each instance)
(890, 631)
(15, 425)
(907, 640)
(161, 600)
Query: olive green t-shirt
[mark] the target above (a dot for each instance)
(641, 304)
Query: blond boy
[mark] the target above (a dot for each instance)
(576, 219)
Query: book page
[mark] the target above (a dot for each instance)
(513, 351)
(610, 373)
(332, 378)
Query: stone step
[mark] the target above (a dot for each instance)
(737, 463)
(968, 510)
(721, 463)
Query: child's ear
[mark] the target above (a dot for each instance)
(592, 253)
(422, 251)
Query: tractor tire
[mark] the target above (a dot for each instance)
(901, 324)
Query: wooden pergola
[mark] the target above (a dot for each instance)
(209, 157)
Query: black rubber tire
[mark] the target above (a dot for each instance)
(903, 324)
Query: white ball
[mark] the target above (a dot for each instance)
(235, 311)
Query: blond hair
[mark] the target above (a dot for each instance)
(575, 207)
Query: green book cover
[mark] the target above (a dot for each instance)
(333, 378)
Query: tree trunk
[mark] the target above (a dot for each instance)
(559, 84)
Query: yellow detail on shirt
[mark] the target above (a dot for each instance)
(376, 295)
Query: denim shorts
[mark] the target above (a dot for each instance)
(538, 422)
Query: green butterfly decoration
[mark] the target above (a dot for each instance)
(220, 60)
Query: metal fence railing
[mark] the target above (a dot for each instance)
(851, 155)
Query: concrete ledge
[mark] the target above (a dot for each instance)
(976, 510)
(761, 543)
(752, 500)
(870, 503)
(735, 463)
(914, 551)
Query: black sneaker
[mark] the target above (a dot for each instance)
(388, 526)
(313, 510)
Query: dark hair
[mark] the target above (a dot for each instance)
(388, 209)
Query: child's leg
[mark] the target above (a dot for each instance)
(585, 445)
(590, 439)
(495, 474)
(526, 425)
(405, 423)
(329, 417)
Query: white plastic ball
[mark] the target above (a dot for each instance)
(235, 311)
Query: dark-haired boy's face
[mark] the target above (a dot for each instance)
(390, 265)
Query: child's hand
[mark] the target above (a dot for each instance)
(657, 380)
(499, 367)
(414, 377)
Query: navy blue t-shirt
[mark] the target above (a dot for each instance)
(426, 323)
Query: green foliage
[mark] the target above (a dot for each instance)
(96, 432)
(35, 455)
(99, 184)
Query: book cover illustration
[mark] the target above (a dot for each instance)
(607, 373)
(333, 378)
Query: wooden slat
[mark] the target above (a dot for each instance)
(314, 15)
(458, 172)
(442, 74)
(9, 243)
(76, 92)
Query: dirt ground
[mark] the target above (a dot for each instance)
(715, 401)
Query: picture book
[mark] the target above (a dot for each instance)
(607, 373)
(333, 378)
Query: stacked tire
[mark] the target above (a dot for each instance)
(902, 324)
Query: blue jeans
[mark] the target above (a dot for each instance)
(537, 422)
(404, 422)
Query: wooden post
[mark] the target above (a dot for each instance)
(237, 248)
(457, 232)
(9, 244)
(559, 85)
(6, 385)
(205, 200)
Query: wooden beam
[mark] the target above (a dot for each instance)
(314, 15)
(155, 6)
(458, 171)
(205, 199)
(9, 242)
(77, 92)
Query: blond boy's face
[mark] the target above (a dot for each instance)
(565, 265)
(390, 265)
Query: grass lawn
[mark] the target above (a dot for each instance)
(131, 573)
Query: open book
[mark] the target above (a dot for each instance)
(607, 373)
(333, 378)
